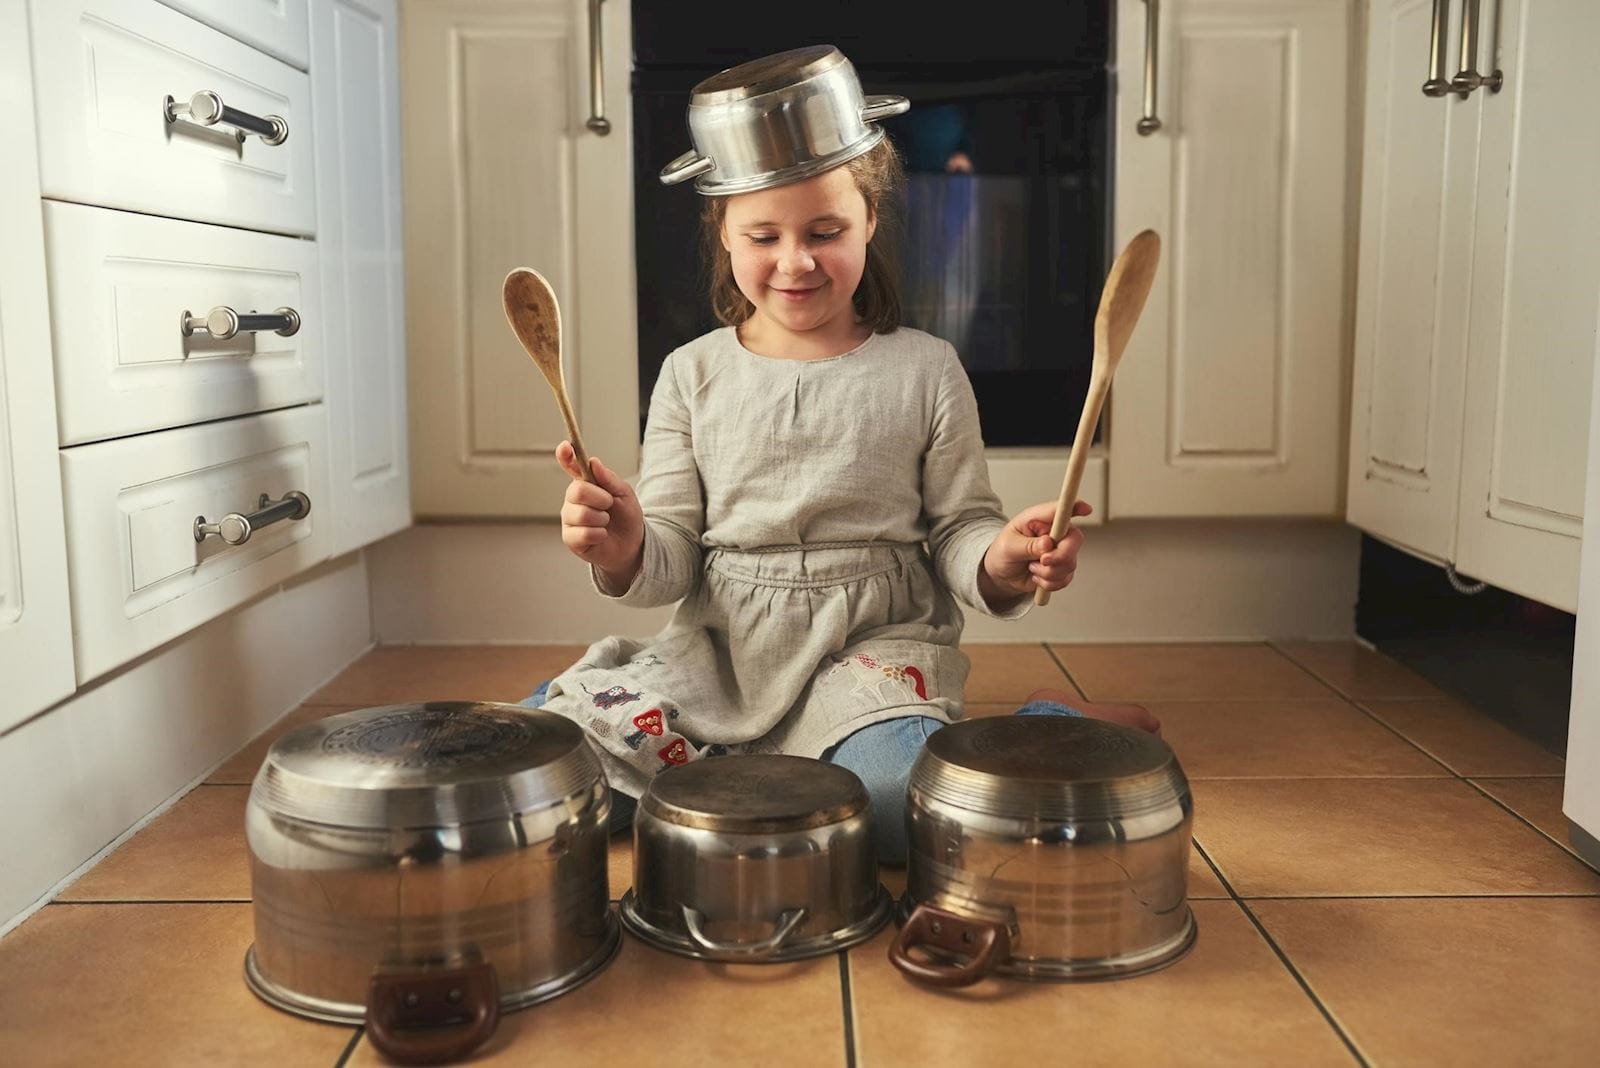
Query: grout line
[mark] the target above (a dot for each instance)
(350, 1048)
(1356, 704)
(1283, 957)
(158, 901)
(849, 1010)
(1552, 838)
(1061, 664)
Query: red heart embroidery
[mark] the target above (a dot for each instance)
(676, 753)
(649, 722)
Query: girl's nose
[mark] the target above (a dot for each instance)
(796, 261)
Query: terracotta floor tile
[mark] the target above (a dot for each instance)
(395, 673)
(194, 851)
(145, 985)
(1470, 742)
(1284, 739)
(1359, 672)
(1536, 800)
(1234, 672)
(1009, 673)
(241, 768)
(1357, 837)
(655, 1008)
(619, 865)
(1230, 1001)
(1508, 981)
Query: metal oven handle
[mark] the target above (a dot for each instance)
(1149, 123)
(598, 123)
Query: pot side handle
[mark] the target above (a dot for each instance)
(879, 106)
(788, 923)
(982, 944)
(408, 1012)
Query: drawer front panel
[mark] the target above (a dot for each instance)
(277, 27)
(103, 69)
(139, 577)
(120, 284)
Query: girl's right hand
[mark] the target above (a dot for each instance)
(601, 521)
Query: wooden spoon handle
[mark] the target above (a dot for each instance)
(1099, 385)
(573, 436)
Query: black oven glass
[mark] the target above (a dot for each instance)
(1006, 209)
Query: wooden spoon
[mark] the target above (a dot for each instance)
(536, 320)
(1121, 301)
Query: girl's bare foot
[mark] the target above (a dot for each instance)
(1129, 715)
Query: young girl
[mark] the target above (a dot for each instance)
(813, 489)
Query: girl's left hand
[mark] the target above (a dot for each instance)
(1023, 558)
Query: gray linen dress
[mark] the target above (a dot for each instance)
(818, 520)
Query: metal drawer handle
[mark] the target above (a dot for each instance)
(207, 109)
(235, 529)
(1467, 78)
(1436, 85)
(597, 73)
(223, 322)
(1149, 123)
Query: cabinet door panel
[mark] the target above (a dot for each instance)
(1535, 301)
(355, 85)
(484, 195)
(103, 133)
(1225, 401)
(35, 629)
(1411, 301)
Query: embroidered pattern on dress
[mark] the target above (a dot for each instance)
(648, 723)
(880, 684)
(611, 696)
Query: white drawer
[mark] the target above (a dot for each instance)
(274, 26)
(138, 576)
(119, 285)
(102, 71)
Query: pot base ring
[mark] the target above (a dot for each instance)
(1124, 966)
(343, 1012)
(818, 946)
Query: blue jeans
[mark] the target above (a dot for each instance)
(881, 756)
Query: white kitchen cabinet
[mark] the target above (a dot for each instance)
(277, 27)
(35, 628)
(1532, 313)
(1418, 192)
(502, 171)
(141, 572)
(1581, 801)
(1226, 402)
(103, 70)
(1478, 297)
(120, 284)
(355, 93)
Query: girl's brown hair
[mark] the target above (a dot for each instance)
(880, 176)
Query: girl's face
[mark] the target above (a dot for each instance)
(798, 253)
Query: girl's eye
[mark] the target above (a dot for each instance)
(829, 236)
(762, 239)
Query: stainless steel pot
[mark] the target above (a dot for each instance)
(1044, 847)
(778, 119)
(755, 858)
(428, 864)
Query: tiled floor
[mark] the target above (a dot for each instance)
(1380, 878)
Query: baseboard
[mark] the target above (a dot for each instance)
(1138, 581)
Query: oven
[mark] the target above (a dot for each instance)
(1007, 207)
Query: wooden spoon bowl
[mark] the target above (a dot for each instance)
(535, 318)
